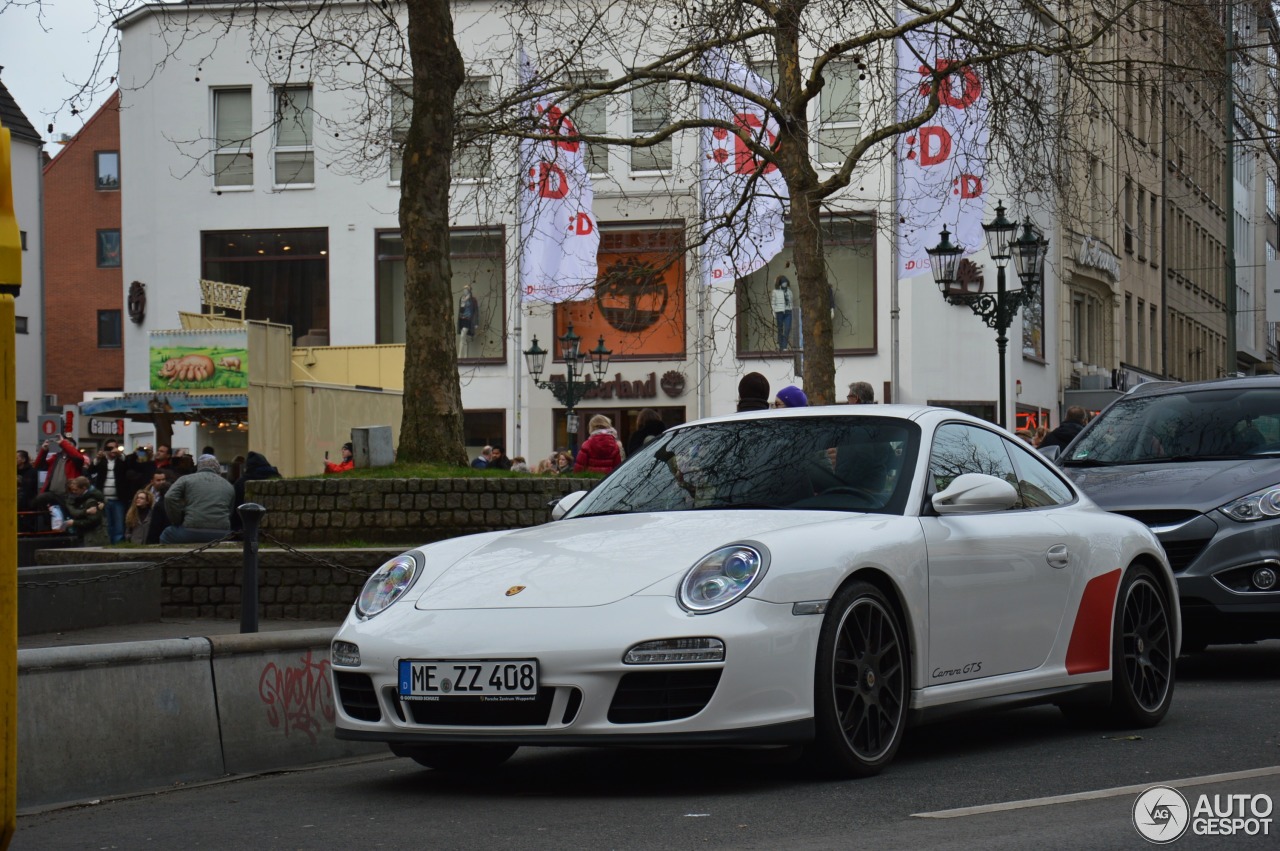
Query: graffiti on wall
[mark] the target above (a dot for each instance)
(298, 698)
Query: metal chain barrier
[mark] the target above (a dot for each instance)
(88, 580)
(312, 558)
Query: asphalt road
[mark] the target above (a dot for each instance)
(1225, 719)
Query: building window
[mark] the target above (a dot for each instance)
(23, 415)
(471, 160)
(638, 306)
(401, 111)
(591, 119)
(294, 156)
(286, 271)
(20, 325)
(1271, 196)
(839, 113)
(22, 239)
(848, 242)
(233, 132)
(650, 112)
(109, 249)
(107, 170)
(109, 329)
(478, 260)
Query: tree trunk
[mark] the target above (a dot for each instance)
(815, 297)
(431, 429)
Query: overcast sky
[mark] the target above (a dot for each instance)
(46, 57)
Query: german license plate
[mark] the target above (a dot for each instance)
(435, 679)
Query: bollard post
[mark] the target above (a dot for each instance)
(251, 515)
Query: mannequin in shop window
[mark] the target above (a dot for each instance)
(781, 301)
(468, 318)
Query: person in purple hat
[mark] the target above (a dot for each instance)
(791, 397)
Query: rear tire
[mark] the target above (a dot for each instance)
(460, 758)
(861, 684)
(1142, 661)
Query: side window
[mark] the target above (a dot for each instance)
(1038, 485)
(959, 448)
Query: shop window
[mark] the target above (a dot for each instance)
(109, 249)
(484, 428)
(286, 271)
(109, 329)
(107, 170)
(478, 260)
(638, 306)
(848, 245)
(294, 155)
(233, 132)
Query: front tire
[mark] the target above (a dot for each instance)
(861, 684)
(460, 758)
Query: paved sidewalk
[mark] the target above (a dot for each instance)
(166, 628)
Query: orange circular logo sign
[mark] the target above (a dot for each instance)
(514, 590)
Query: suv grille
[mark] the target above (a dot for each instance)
(1161, 516)
(470, 712)
(359, 700)
(647, 696)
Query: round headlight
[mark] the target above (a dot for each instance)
(721, 578)
(386, 585)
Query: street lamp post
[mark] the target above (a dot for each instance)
(999, 309)
(578, 368)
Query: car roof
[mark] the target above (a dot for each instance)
(1160, 388)
(906, 412)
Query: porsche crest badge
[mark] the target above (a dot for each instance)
(514, 590)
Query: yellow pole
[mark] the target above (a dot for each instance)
(10, 281)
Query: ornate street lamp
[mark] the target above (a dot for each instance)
(570, 390)
(997, 309)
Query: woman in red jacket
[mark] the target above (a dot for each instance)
(601, 452)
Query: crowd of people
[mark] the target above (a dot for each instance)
(143, 497)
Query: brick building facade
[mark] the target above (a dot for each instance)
(84, 292)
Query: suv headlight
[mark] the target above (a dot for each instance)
(1258, 505)
(722, 578)
(387, 584)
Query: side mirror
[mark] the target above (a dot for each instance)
(975, 493)
(1052, 452)
(566, 502)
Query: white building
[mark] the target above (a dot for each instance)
(26, 148)
(306, 216)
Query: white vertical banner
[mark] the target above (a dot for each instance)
(941, 165)
(558, 234)
(743, 198)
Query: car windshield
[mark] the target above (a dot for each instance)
(1197, 425)
(820, 463)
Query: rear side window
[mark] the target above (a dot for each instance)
(959, 448)
(1038, 484)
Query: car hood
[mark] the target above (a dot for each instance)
(1198, 485)
(593, 561)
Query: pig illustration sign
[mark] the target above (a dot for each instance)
(199, 360)
(942, 164)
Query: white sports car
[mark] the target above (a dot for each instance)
(817, 576)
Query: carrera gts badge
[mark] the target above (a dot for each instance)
(514, 590)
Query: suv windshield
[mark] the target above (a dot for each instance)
(1195, 425)
(827, 463)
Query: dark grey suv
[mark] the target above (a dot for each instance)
(1199, 463)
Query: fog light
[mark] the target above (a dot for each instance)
(669, 650)
(346, 654)
(1264, 579)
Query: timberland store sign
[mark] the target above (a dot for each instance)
(1094, 254)
(620, 388)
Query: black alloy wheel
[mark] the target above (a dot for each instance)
(861, 684)
(1143, 659)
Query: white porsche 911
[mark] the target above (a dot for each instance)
(817, 576)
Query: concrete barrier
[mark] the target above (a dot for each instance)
(276, 701)
(65, 597)
(111, 719)
(105, 719)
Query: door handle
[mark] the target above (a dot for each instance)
(1057, 556)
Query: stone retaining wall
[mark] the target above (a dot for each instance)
(404, 511)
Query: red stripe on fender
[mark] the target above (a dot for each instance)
(1090, 647)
